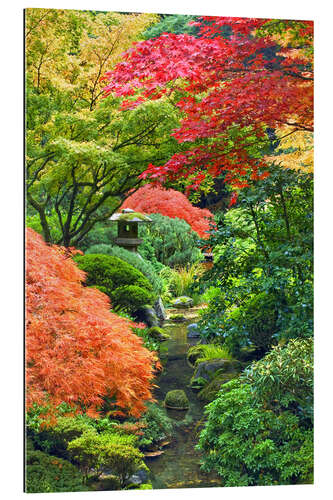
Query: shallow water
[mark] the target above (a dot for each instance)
(179, 466)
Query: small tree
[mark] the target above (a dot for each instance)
(77, 350)
(172, 203)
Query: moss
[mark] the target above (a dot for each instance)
(158, 333)
(210, 390)
(177, 400)
(177, 318)
(205, 352)
(128, 217)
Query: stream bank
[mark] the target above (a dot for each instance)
(179, 465)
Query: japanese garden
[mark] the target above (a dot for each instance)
(169, 251)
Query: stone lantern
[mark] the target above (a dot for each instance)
(128, 221)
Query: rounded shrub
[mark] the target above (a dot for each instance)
(110, 272)
(132, 258)
(131, 297)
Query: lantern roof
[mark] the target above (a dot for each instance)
(129, 215)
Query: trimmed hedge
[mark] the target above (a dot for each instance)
(127, 287)
(141, 264)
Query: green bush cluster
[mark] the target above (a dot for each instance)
(146, 268)
(256, 318)
(259, 428)
(117, 452)
(263, 265)
(47, 474)
(127, 287)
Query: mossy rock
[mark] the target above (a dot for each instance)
(182, 302)
(177, 318)
(176, 400)
(208, 369)
(157, 333)
(210, 391)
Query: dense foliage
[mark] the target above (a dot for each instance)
(83, 154)
(151, 200)
(263, 270)
(132, 258)
(46, 473)
(255, 434)
(77, 350)
(216, 82)
(127, 287)
(169, 241)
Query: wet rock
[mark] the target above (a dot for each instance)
(140, 477)
(207, 369)
(148, 315)
(193, 331)
(160, 310)
(182, 302)
(176, 400)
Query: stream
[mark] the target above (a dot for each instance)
(179, 465)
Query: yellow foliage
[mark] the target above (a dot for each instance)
(296, 150)
(71, 50)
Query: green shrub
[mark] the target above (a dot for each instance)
(283, 379)
(132, 258)
(114, 451)
(250, 445)
(54, 440)
(169, 241)
(131, 297)
(127, 287)
(46, 474)
(111, 272)
(259, 429)
(255, 321)
(157, 426)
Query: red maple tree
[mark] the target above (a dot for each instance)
(232, 89)
(172, 203)
(77, 350)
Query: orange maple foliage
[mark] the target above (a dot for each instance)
(172, 203)
(77, 350)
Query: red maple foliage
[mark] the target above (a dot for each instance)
(231, 92)
(77, 350)
(172, 203)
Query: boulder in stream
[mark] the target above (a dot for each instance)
(193, 331)
(176, 400)
(207, 369)
(182, 302)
